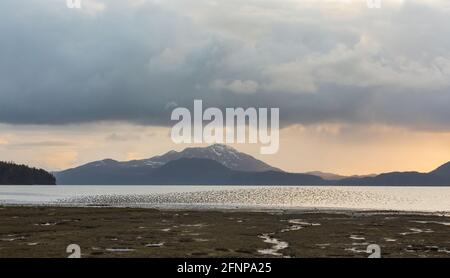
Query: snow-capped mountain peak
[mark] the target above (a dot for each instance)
(226, 155)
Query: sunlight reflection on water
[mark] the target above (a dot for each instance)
(345, 197)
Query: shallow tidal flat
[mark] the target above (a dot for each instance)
(125, 232)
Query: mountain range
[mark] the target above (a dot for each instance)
(223, 165)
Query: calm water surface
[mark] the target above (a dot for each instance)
(427, 199)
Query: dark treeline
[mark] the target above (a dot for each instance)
(13, 174)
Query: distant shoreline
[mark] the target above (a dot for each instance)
(249, 209)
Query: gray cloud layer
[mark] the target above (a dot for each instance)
(319, 61)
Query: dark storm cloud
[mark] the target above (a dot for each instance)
(66, 67)
(131, 60)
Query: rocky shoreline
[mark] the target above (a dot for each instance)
(134, 232)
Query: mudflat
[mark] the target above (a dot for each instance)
(145, 233)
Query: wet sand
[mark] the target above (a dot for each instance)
(129, 232)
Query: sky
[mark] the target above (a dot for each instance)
(359, 90)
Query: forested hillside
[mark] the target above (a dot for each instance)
(13, 174)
